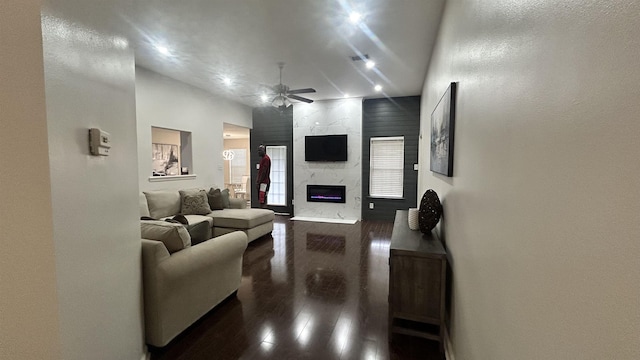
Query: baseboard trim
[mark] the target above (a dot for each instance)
(325, 220)
(448, 348)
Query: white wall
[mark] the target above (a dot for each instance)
(541, 216)
(28, 301)
(90, 80)
(330, 117)
(167, 103)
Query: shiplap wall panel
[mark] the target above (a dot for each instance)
(391, 117)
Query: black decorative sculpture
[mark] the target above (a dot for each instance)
(430, 211)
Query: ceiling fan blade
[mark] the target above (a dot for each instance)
(300, 98)
(301, 91)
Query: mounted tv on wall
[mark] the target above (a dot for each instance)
(325, 148)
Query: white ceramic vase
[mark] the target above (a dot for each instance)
(413, 219)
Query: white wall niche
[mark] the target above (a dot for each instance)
(171, 154)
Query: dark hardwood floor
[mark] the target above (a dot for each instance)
(309, 291)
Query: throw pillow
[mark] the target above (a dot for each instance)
(194, 203)
(174, 236)
(199, 232)
(163, 203)
(225, 198)
(215, 199)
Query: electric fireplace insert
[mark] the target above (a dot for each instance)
(326, 193)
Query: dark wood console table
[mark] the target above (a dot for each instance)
(417, 282)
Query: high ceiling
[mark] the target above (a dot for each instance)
(208, 41)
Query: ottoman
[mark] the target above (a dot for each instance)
(253, 222)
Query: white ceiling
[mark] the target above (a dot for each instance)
(245, 39)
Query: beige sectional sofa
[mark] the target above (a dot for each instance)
(183, 281)
(163, 204)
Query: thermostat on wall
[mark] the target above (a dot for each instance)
(99, 142)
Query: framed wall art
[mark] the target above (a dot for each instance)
(442, 132)
(165, 159)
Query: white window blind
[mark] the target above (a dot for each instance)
(386, 167)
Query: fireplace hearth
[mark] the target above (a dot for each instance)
(326, 193)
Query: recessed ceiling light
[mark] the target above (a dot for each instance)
(370, 64)
(355, 17)
(121, 43)
(163, 50)
(264, 98)
(227, 81)
(377, 88)
(317, 123)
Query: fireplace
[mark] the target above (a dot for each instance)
(326, 193)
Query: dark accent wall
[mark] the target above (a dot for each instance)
(272, 127)
(391, 117)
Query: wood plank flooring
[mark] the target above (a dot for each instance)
(309, 291)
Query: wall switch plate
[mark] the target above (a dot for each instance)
(415, 167)
(370, 205)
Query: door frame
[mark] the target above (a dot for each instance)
(288, 208)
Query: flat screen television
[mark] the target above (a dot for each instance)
(325, 148)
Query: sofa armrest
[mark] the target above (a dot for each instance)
(237, 203)
(204, 256)
(153, 252)
(181, 287)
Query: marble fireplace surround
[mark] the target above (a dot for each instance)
(331, 117)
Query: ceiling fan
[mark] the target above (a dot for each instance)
(283, 93)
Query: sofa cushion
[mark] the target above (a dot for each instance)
(215, 199)
(144, 207)
(194, 202)
(174, 236)
(199, 232)
(195, 219)
(198, 222)
(241, 218)
(163, 203)
(237, 203)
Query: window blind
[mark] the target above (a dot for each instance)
(386, 176)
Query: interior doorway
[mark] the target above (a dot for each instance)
(281, 175)
(278, 189)
(237, 166)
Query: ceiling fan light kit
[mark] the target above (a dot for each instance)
(279, 101)
(283, 93)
